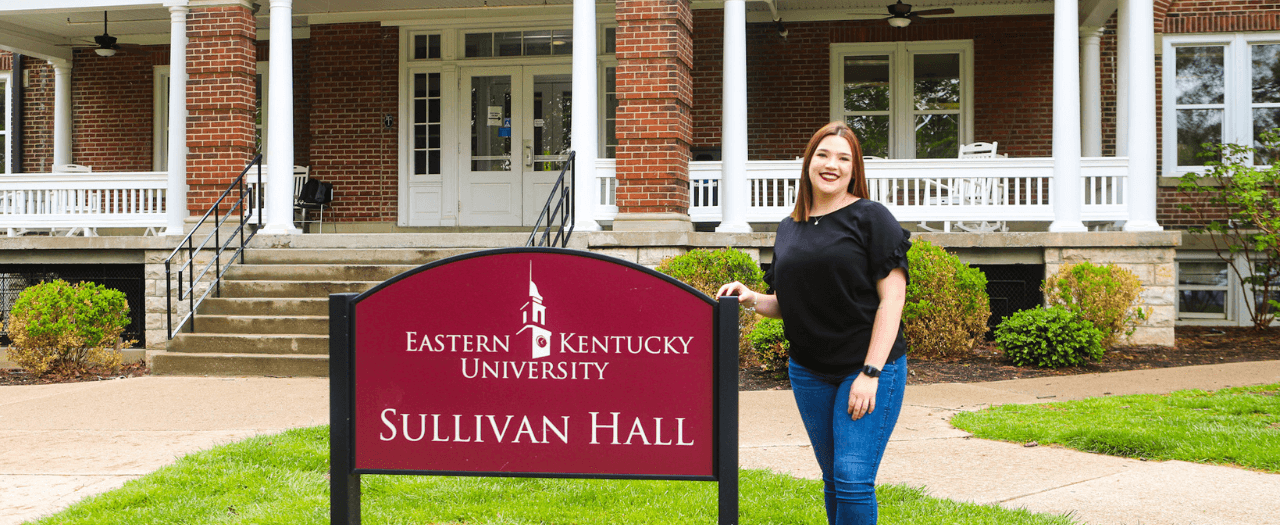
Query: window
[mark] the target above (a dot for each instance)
(1219, 88)
(6, 118)
(1203, 289)
(427, 123)
(519, 43)
(905, 100)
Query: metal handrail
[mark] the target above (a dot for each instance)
(563, 210)
(188, 245)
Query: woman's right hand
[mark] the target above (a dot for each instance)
(746, 297)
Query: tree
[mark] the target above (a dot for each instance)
(1248, 238)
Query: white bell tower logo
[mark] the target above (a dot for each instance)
(534, 316)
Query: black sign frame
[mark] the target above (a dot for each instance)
(344, 484)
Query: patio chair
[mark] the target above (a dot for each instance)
(313, 196)
(255, 194)
(978, 150)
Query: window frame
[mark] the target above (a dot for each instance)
(902, 110)
(5, 140)
(1238, 105)
(1231, 289)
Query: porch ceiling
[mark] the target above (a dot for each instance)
(60, 28)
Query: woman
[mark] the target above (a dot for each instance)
(840, 277)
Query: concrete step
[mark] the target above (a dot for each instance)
(287, 289)
(316, 272)
(272, 344)
(264, 306)
(406, 256)
(481, 238)
(263, 324)
(180, 364)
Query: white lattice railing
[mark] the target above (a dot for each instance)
(914, 190)
(82, 201)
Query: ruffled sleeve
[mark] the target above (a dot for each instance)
(888, 244)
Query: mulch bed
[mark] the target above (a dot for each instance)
(1196, 345)
(20, 377)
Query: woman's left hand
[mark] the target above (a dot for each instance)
(862, 396)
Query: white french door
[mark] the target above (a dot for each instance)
(516, 139)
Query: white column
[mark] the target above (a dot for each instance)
(176, 196)
(279, 199)
(1122, 79)
(1142, 116)
(585, 133)
(1066, 118)
(734, 193)
(1091, 91)
(61, 112)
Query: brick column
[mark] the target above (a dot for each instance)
(655, 123)
(221, 72)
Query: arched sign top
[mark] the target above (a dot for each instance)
(594, 260)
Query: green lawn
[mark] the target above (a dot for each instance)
(281, 479)
(1234, 426)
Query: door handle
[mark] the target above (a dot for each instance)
(528, 153)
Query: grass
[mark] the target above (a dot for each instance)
(1234, 426)
(281, 479)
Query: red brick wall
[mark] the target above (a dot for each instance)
(655, 90)
(113, 100)
(788, 91)
(220, 100)
(353, 83)
(37, 114)
(1215, 16)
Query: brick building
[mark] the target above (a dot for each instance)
(455, 116)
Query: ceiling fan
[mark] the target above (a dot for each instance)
(105, 44)
(900, 14)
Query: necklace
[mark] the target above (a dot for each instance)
(839, 204)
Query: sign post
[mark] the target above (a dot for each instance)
(533, 362)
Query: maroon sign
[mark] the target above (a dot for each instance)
(534, 362)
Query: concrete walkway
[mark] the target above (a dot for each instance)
(62, 443)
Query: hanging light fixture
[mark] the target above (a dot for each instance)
(106, 43)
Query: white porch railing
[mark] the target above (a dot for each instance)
(914, 190)
(81, 201)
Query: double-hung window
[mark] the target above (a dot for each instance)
(905, 100)
(1221, 88)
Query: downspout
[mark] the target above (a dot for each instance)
(15, 109)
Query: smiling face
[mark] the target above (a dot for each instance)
(831, 168)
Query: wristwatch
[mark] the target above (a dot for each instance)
(871, 371)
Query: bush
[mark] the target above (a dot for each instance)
(65, 329)
(1107, 296)
(1049, 337)
(708, 270)
(770, 344)
(947, 304)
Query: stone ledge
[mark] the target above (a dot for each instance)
(1165, 239)
(615, 239)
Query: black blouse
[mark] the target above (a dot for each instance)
(825, 272)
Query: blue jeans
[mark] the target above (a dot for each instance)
(848, 451)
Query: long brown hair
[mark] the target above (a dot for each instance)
(858, 184)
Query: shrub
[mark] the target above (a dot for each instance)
(770, 344)
(60, 328)
(1049, 337)
(1107, 296)
(947, 304)
(708, 270)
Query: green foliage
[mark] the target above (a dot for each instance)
(63, 328)
(1234, 426)
(770, 344)
(947, 304)
(1049, 337)
(1238, 203)
(708, 270)
(1107, 296)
